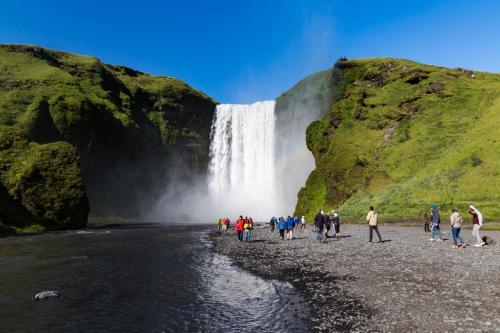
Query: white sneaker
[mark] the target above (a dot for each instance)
(431, 239)
(439, 240)
(477, 245)
(483, 243)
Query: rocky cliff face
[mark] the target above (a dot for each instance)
(400, 135)
(110, 133)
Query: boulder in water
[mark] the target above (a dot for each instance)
(46, 294)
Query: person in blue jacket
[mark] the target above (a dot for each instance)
(290, 224)
(282, 227)
(436, 221)
(272, 223)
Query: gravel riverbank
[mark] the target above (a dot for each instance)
(406, 284)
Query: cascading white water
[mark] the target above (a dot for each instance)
(258, 159)
(242, 173)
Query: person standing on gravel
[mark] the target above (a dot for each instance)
(290, 224)
(282, 227)
(436, 220)
(372, 219)
(336, 223)
(247, 229)
(238, 228)
(318, 222)
(477, 222)
(303, 223)
(272, 223)
(326, 225)
(456, 225)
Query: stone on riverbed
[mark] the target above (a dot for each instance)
(46, 294)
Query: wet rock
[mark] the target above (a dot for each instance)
(46, 294)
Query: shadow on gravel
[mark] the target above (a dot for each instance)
(346, 313)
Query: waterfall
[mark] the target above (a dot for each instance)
(258, 159)
(242, 172)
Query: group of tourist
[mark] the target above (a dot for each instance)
(243, 228)
(434, 220)
(224, 224)
(323, 223)
(287, 226)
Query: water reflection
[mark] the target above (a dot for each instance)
(137, 280)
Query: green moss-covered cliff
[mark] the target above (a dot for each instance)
(400, 135)
(72, 128)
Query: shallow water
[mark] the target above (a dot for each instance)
(147, 279)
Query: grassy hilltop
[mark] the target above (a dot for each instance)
(400, 135)
(77, 134)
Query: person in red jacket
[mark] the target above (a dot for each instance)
(238, 228)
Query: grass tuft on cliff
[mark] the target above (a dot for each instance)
(400, 135)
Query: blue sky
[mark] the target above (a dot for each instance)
(244, 51)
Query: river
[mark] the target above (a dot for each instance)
(138, 278)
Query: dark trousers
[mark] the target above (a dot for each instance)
(374, 227)
(240, 236)
(426, 227)
(282, 233)
(272, 227)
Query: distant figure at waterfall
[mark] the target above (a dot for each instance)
(436, 221)
(225, 225)
(319, 223)
(456, 225)
(238, 228)
(335, 219)
(282, 227)
(247, 229)
(273, 223)
(290, 224)
(372, 219)
(303, 223)
(326, 224)
(477, 222)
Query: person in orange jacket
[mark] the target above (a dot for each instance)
(238, 228)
